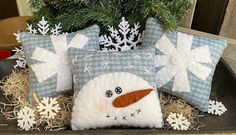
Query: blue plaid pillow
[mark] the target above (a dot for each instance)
(48, 60)
(114, 89)
(184, 63)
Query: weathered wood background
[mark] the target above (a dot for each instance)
(228, 28)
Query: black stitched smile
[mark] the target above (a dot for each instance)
(125, 117)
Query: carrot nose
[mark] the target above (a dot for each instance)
(130, 98)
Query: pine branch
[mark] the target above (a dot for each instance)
(98, 13)
(78, 14)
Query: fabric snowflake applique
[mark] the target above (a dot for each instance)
(48, 107)
(216, 108)
(178, 121)
(176, 61)
(26, 118)
(125, 38)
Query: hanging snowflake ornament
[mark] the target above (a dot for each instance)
(177, 61)
(26, 118)
(48, 107)
(125, 38)
(178, 121)
(216, 108)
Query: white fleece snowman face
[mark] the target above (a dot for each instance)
(116, 99)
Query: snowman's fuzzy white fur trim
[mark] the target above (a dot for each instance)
(92, 109)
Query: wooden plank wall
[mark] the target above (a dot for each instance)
(188, 19)
(8, 8)
(228, 28)
(24, 8)
(209, 15)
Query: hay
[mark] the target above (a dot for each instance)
(175, 105)
(15, 89)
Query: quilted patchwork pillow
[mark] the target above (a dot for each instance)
(114, 89)
(47, 58)
(184, 63)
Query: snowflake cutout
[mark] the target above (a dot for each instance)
(57, 29)
(26, 118)
(48, 107)
(31, 29)
(122, 39)
(216, 108)
(43, 28)
(20, 56)
(178, 121)
(176, 61)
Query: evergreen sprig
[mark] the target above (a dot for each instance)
(78, 14)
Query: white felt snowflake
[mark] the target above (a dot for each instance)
(216, 108)
(20, 56)
(48, 107)
(26, 118)
(176, 61)
(178, 121)
(122, 39)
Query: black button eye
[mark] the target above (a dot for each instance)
(109, 93)
(118, 90)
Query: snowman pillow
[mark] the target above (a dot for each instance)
(184, 63)
(114, 89)
(47, 58)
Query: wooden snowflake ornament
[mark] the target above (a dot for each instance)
(178, 121)
(26, 118)
(48, 108)
(216, 108)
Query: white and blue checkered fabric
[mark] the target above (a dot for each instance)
(90, 64)
(199, 89)
(30, 42)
